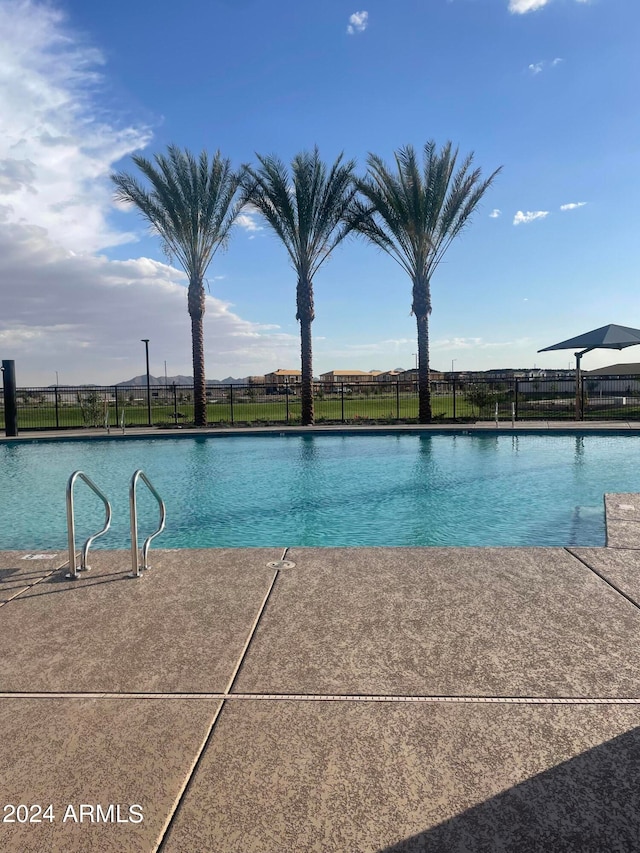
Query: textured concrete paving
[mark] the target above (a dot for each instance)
(180, 627)
(622, 519)
(88, 751)
(381, 699)
(312, 777)
(444, 621)
(20, 570)
(619, 566)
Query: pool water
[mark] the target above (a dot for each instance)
(286, 490)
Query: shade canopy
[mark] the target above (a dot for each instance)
(606, 337)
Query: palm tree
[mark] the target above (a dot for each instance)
(413, 216)
(190, 205)
(306, 209)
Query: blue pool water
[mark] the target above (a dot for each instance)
(290, 490)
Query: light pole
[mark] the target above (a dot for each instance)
(57, 382)
(145, 341)
(452, 363)
(415, 355)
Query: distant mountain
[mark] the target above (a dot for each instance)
(141, 381)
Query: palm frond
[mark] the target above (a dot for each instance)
(305, 206)
(188, 202)
(413, 215)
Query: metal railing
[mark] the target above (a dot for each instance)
(71, 528)
(133, 509)
(456, 398)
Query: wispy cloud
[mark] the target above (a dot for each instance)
(572, 205)
(382, 346)
(522, 218)
(537, 67)
(63, 306)
(462, 343)
(495, 213)
(358, 23)
(57, 147)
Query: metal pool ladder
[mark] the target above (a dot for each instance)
(71, 528)
(136, 566)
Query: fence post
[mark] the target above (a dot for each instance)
(342, 400)
(55, 397)
(581, 397)
(454, 399)
(231, 401)
(115, 394)
(175, 405)
(515, 393)
(10, 398)
(397, 399)
(286, 394)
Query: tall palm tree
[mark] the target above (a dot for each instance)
(190, 205)
(413, 216)
(306, 209)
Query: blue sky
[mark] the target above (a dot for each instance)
(545, 88)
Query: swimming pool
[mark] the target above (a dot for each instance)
(320, 490)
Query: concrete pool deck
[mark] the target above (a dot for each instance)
(504, 427)
(366, 699)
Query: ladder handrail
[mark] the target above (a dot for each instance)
(133, 510)
(71, 527)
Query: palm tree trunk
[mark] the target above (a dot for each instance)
(307, 372)
(424, 387)
(305, 314)
(196, 305)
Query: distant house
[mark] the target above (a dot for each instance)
(282, 377)
(615, 370)
(389, 375)
(350, 376)
(412, 375)
(276, 378)
(627, 382)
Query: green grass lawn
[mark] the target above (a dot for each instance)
(274, 410)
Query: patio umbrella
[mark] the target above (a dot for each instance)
(606, 337)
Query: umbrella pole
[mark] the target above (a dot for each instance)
(579, 401)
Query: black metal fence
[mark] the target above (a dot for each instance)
(460, 400)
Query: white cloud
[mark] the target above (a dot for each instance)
(248, 222)
(572, 205)
(358, 23)
(56, 148)
(537, 67)
(521, 7)
(64, 307)
(84, 315)
(495, 213)
(522, 218)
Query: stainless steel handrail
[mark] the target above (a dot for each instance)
(71, 527)
(140, 475)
